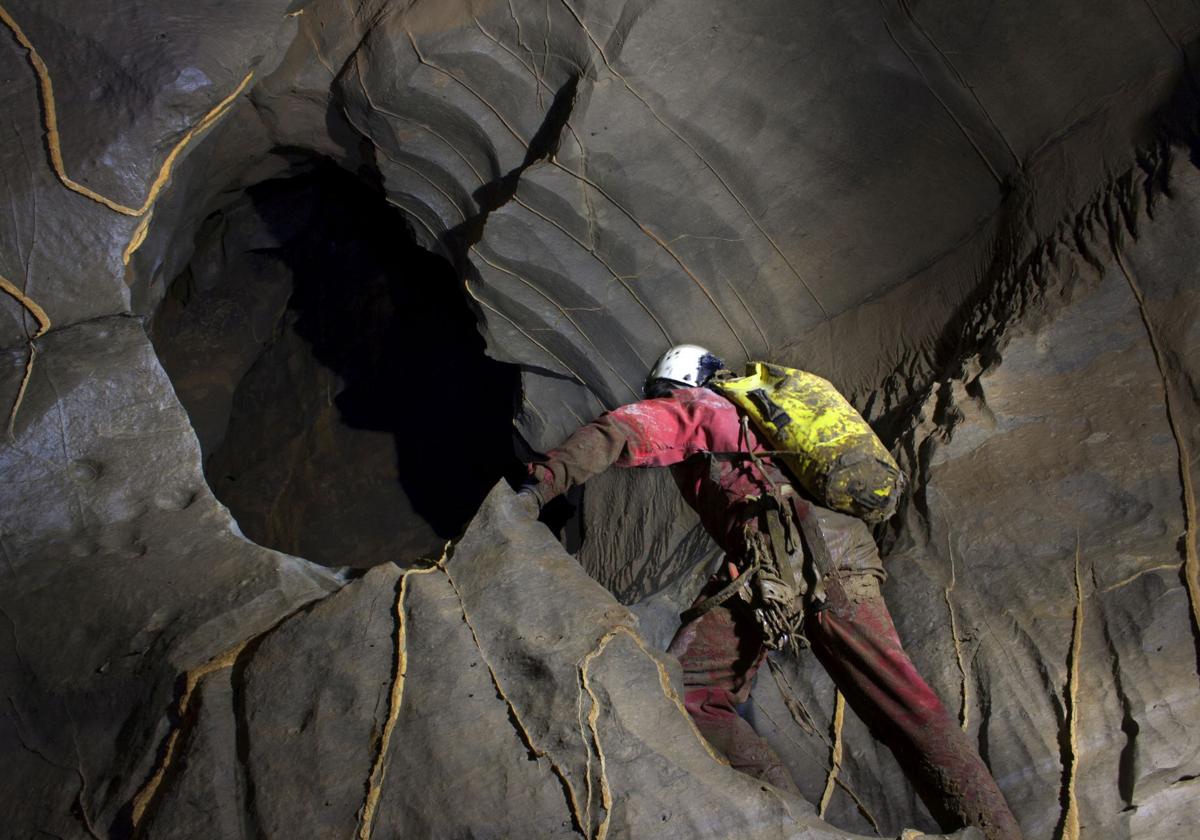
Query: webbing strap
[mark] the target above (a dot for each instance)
(724, 594)
(745, 439)
(779, 518)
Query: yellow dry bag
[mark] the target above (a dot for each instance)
(825, 443)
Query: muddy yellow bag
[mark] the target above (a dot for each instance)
(825, 443)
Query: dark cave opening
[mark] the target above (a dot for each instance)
(333, 371)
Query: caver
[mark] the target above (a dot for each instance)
(794, 572)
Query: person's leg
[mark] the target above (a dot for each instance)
(720, 653)
(856, 641)
(734, 738)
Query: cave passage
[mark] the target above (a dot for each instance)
(332, 368)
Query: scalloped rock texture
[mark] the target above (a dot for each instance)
(980, 223)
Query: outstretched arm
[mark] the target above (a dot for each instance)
(589, 451)
(656, 432)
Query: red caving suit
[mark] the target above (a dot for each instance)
(721, 651)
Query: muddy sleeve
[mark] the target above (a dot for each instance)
(589, 451)
(650, 433)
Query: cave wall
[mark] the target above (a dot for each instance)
(979, 225)
(125, 580)
(1041, 578)
(1045, 591)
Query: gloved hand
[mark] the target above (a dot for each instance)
(528, 503)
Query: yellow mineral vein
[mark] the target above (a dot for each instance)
(803, 747)
(143, 798)
(43, 324)
(1070, 821)
(587, 767)
(30, 304)
(593, 718)
(54, 145)
(139, 236)
(835, 752)
(594, 715)
(1191, 561)
(664, 680)
(366, 814)
(16, 406)
(964, 707)
(1126, 581)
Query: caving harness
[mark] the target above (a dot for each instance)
(784, 528)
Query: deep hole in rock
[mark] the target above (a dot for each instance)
(332, 369)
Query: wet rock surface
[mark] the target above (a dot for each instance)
(981, 226)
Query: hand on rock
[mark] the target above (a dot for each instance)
(528, 503)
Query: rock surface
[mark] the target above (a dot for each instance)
(407, 691)
(125, 581)
(980, 225)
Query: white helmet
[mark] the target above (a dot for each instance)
(684, 365)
